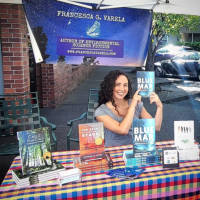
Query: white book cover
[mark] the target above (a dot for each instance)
(184, 134)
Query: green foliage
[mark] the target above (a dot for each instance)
(194, 45)
(169, 24)
(172, 24)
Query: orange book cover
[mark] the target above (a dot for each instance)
(91, 138)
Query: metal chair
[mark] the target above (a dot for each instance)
(86, 117)
(18, 113)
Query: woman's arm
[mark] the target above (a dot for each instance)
(159, 112)
(123, 126)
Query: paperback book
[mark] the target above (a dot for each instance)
(35, 150)
(25, 180)
(92, 151)
(145, 82)
(91, 138)
(143, 137)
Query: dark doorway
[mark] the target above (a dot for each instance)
(32, 65)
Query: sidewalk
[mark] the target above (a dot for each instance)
(76, 103)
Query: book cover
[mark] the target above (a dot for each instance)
(184, 134)
(145, 82)
(143, 137)
(35, 150)
(91, 139)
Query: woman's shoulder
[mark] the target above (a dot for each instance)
(100, 109)
(103, 109)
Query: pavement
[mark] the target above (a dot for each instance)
(181, 101)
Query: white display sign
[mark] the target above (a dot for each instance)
(184, 134)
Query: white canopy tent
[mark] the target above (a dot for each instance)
(187, 7)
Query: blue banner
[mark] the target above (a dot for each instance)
(115, 37)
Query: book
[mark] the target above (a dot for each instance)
(35, 150)
(38, 177)
(69, 175)
(143, 137)
(145, 82)
(91, 138)
(92, 151)
(184, 134)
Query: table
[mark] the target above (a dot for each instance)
(154, 183)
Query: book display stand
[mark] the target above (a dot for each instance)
(170, 157)
(93, 162)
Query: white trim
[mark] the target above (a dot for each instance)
(11, 1)
(36, 50)
(75, 3)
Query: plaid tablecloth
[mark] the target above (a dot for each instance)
(154, 183)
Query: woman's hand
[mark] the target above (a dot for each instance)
(154, 98)
(136, 98)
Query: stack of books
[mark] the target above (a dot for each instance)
(36, 158)
(39, 177)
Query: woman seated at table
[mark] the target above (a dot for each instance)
(118, 108)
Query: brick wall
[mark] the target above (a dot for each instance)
(67, 78)
(55, 82)
(15, 60)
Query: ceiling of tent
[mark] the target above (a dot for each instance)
(187, 7)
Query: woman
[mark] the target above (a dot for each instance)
(117, 108)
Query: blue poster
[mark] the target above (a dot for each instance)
(114, 37)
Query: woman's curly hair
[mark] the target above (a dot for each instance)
(107, 86)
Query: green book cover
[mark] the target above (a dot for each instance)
(35, 150)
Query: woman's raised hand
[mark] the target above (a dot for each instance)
(136, 98)
(154, 98)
